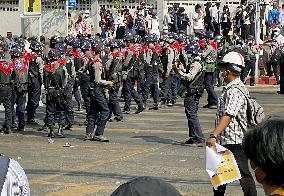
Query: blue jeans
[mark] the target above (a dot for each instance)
(191, 103)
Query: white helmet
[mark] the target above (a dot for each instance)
(234, 60)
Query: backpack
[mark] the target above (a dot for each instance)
(255, 112)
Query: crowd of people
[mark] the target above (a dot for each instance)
(133, 58)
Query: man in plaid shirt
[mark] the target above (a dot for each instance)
(231, 120)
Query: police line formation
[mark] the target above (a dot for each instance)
(166, 67)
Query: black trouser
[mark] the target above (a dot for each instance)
(191, 103)
(281, 78)
(250, 67)
(69, 114)
(151, 84)
(5, 98)
(166, 94)
(129, 91)
(55, 105)
(209, 86)
(272, 68)
(19, 98)
(114, 102)
(247, 182)
(98, 112)
(34, 92)
(77, 93)
(245, 31)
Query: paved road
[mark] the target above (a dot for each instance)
(146, 144)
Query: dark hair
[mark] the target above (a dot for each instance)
(264, 145)
(197, 7)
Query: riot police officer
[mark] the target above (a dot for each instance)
(113, 72)
(209, 58)
(67, 60)
(6, 88)
(131, 68)
(20, 85)
(35, 81)
(152, 71)
(98, 112)
(193, 78)
(167, 58)
(55, 79)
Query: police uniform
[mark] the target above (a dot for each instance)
(34, 88)
(193, 78)
(99, 111)
(152, 75)
(55, 78)
(68, 89)
(19, 90)
(114, 73)
(210, 58)
(6, 90)
(167, 59)
(131, 67)
(250, 64)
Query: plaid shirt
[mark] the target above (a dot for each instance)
(233, 102)
(16, 182)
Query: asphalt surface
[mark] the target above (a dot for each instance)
(148, 144)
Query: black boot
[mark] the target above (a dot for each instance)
(51, 133)
(60, 132)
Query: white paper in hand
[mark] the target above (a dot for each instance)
(221, 166)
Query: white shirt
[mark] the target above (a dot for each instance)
(233, 102)
(199, 24)
(246, 20)
(16, 182)
(281, 17)
(89, 25)
(214, 12)
(280, 40)
(153, 26)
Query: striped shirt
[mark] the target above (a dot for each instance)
(233, 103)
(16, 182)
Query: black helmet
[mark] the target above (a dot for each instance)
(240, 41)
(182, 38)
(152, 38)
(35, 46)
(53, 55)
(68, 40)
(61, 48)
(210, 35)
(75, 43)
(16, 51)
(20, 42)
(98, 46)
(129, 37)
(137, 39)
(54, 40)
(114, 43)
(86, 44)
